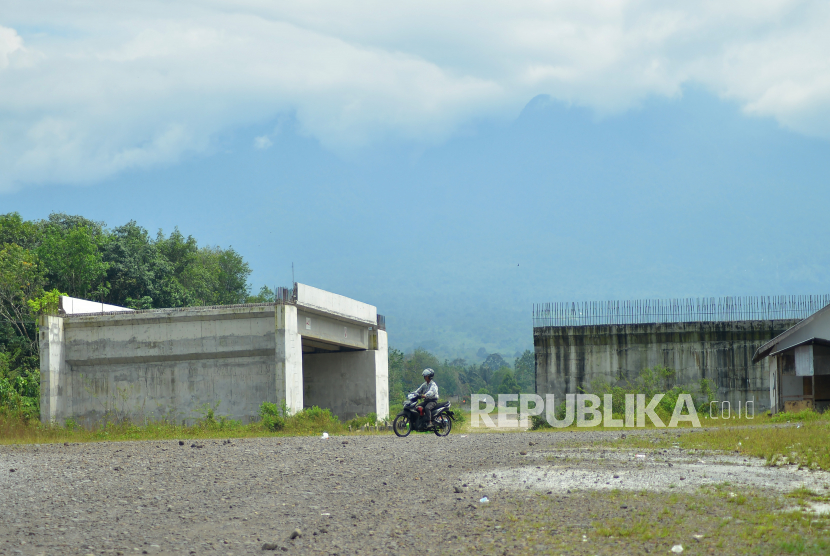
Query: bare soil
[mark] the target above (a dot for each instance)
(546, 493)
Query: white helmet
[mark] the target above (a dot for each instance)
(428, 373)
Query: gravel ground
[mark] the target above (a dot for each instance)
(570, 469)
(342, 495)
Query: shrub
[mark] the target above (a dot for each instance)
(272, 416)
(371, 419)
(312, 420)
(806, 415)
(538, 422)
(21, 395)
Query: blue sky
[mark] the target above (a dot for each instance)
(451, 172)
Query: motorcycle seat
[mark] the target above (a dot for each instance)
(440, 405)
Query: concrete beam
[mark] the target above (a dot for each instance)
(333, 330)
(318, 301)
(313, 345)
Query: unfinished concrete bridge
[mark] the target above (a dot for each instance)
(310, 347)
(577, 344)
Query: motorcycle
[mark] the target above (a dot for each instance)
(413, 418)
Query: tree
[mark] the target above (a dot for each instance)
(20, 280)
(493, 363)
(73, 260)
(136, 269)
(232, 277)
(265, 295)
(396, 376)
(508, 384)
(13, 229)
(525, 371)
(202, 276)
(414, 365)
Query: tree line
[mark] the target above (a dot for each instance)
(126, 265)
(457, 377)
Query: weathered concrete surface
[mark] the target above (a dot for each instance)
(339, 332)
(289, 358)
(52, 367)
(349, 382)
(161, 364)
(328, 303)
(572, 357)
(177, 363)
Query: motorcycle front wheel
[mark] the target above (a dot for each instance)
(443, 425)
(402, 426)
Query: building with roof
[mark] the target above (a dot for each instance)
(799, 364)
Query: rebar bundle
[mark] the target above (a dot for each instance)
(654, 311)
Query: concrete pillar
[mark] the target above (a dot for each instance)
(382, 375)
(53, 370)
(289, 359)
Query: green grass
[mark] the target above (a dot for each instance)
(16, 429)
(806, 445)
(714, 520)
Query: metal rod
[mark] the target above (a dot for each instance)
(648, 311)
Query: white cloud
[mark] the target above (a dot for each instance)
(89, 91)
(10, 42)
(262, 142)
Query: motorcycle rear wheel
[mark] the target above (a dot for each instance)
(443, 425)
(402, 425)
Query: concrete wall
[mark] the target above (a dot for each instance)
(159, 364)
(572, 357)
(175, 363)
(348, 383)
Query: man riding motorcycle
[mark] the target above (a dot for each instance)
(428, 391)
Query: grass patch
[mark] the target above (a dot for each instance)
(17, 429)
(715, 520)
(805, 445)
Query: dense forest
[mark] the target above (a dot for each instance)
(127, 266)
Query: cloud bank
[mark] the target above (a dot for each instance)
(99, 88)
